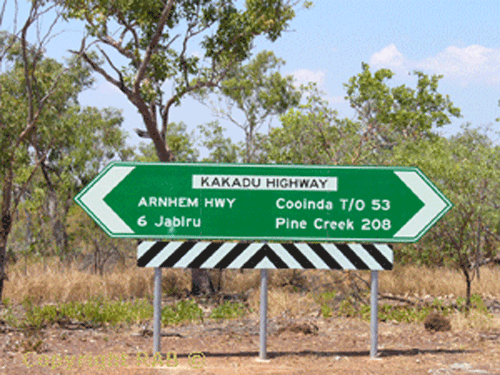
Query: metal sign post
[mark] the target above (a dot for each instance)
(263, 314)
(374, 314)
(157, 311)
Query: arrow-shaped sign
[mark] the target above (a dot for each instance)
(263, 202)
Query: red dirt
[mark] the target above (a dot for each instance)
(338, 346)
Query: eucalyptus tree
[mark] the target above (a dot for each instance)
(385, 117)
(251, 95)
(466, 168)
(221, 148)
(156, 42)
(86, 140)
(34, 92)
(187, 44)
(312, 133)
(181, 142)
(389, 115)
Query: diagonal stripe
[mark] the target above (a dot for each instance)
(387, 252)
(208, 251)
(191, 255)
(377, 253)
(242, 257)
(344, 262)
(148, 250)
(309, 253)
(219, 255)
(265, 251)
(299, 259)
(235, 252)
(366, 257)
(178, 254)
(143, 247)
(324, 252)
(353, 258)
(164, 254)
(290, 259)
(222, 255)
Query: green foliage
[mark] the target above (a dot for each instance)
(228, 310)
(75, 143)
(148, 33)
(392, 115)
(466, 168)
(347, 307)
(87, 140)
(182, 311)
(181, 142)
(50, 121)
(258, 88)
(222, 149)
(387, 116)
(476, 303)
(95, 312)
(7, 313)
(331, 306)
(401, 313)
(387, 312)
(326, 302)
(313, 134)
(258, 91)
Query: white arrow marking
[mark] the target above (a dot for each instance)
(94, 199)
(433, 204)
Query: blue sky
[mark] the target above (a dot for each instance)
(327, 44)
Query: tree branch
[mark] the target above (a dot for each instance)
(152, 45)
(120, 75)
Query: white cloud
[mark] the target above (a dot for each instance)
(304, 76)
(474, 64)
(388, 57)
(470, 64)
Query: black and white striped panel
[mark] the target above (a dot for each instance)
(194, 254)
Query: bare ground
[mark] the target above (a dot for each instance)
(310, 345)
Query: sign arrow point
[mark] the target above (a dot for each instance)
(434, 207)
(93, 199)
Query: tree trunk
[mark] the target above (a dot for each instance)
(201, 283)
(6, 225)
(468, 282)
(4, 234)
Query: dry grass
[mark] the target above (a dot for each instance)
(280, 302)
(422, 281)
(476, 321)
(51, 282)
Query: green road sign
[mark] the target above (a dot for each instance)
(263, 202)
